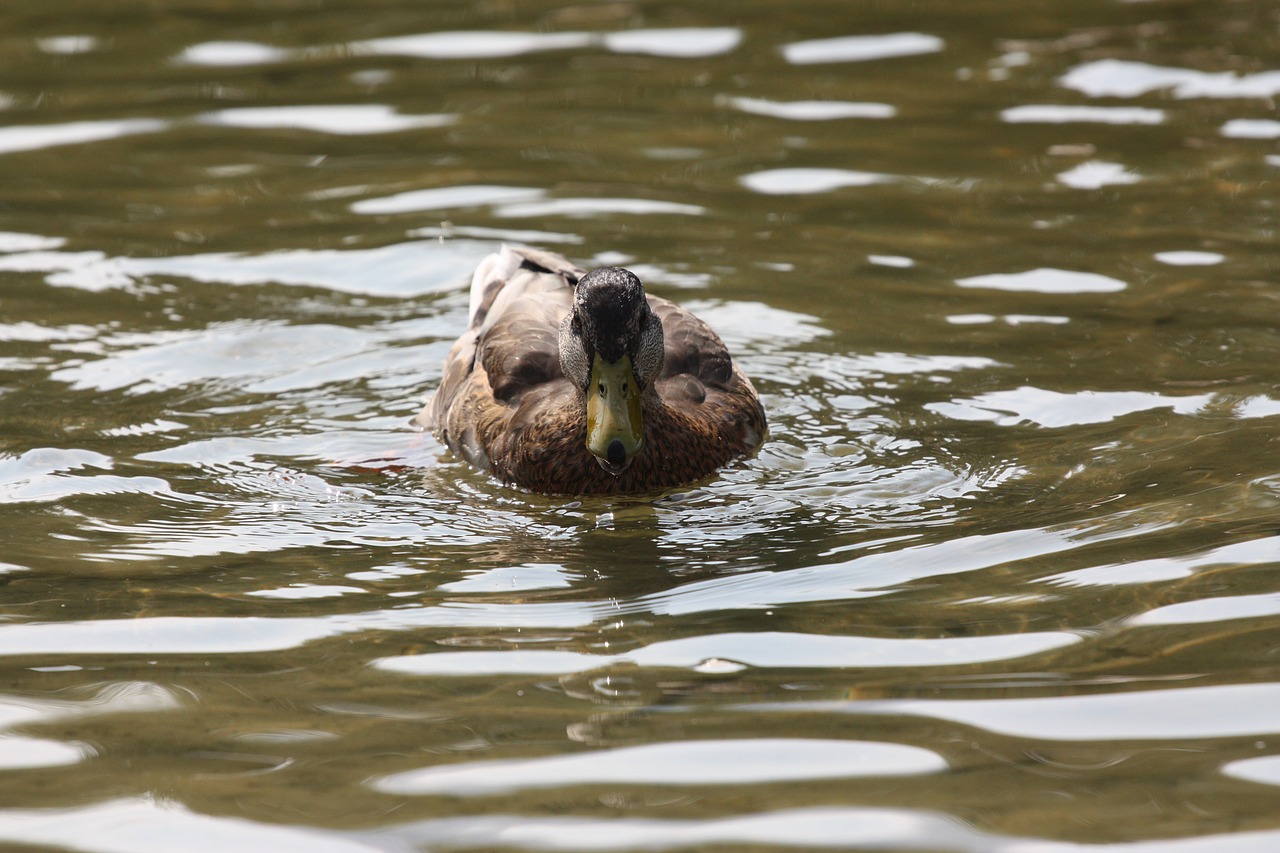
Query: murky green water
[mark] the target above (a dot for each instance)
(1004, 577)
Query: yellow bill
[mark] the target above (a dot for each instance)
(615, 425)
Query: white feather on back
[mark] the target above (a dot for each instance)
(501, 265)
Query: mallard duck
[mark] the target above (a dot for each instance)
(574, 383)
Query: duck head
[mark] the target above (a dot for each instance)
(611, 348)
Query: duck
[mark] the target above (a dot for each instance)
(576, 382)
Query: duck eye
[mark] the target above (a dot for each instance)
(601, 389)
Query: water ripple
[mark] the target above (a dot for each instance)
(1186, 713)
(32, 137)
(810, 110)
(332, 118)
(720, 762)
(1123, 79)
(733, 652)
(118, 826)
(860, 48)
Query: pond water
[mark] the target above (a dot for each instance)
(1004, 577)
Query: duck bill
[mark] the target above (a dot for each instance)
(615, 425)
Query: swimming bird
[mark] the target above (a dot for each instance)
(576, 383)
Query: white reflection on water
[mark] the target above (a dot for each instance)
(1225, 608)
(869, 575)
(148, 825)
(675, 42)
(860, 48)
(18, 752)
(1055, 409)
(813, 828)
(1189, 258)
(760, 649)
(1243, 128)
(446, 198)
(230, 53)
(1046, 280)
(819, 827)
(512, 578)
(1064, 113)
(748, 327)
(344, 119)
(16, 241)
(471, 45)
(1095, 175)
(744, 761)
(401, 269)
(810, 110)
(159, 635)
(678, 42)
(306, 591)
(1160, 569)
(1187, 713)
(248, 354)
(23, 753)
(590, 207)
(784, 649)
(53, 488)
(69, 45)
(895, 261)
(49, 474)
(526, 236)
(1105, 78)
(520, 662)
(30, 137)
(1011, 319)
(1264, 770)
(805, 181)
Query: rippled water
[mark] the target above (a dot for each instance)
(1003, 578)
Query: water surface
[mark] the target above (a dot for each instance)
(1003, 578)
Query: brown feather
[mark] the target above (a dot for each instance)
(505, 405)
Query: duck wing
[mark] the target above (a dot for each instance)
(518, 298)
(696, 361)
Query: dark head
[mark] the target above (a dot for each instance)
(611, 349)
